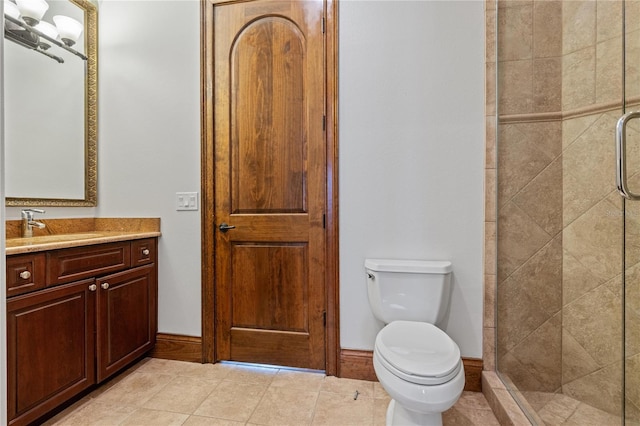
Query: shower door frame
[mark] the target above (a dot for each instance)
(630, 212)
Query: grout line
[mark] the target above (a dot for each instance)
(551, 239)
(315, 407)
(262, 397)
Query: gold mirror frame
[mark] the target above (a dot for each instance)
(91, 120)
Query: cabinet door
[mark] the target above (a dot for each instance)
(127, 318)
(50, 348)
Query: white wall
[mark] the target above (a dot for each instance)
(149, 138)
(411, 146)
(411, 152)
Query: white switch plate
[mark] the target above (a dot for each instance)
(186, 201)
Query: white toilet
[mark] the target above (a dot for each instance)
(416, 363)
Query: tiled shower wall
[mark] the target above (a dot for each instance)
(529, 194)
(559, 227)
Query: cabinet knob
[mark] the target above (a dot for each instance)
(145, 252)
(93, 287)
(104, 285)
(25, 275)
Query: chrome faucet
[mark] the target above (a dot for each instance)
(28, 223)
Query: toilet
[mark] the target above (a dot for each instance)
(417, 363)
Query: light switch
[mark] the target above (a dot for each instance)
(186, 201)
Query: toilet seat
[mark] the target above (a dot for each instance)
(418, 352)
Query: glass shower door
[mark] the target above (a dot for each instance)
(567, 328)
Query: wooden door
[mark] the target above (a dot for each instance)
(50, 349)
(269, 180)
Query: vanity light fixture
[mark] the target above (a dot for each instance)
(23, 26)
(69, 29)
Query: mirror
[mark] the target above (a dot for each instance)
(51, 118)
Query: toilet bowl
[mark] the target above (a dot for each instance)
(416, 362)
(420, 368)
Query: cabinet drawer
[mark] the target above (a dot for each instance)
(25, 273)
(143, 252)
(83, 262)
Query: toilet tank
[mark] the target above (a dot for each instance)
(411, 290)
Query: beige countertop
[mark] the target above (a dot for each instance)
(66, 233)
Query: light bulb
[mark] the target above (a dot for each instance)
(68, 28)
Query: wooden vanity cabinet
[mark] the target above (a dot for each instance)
(68, 336)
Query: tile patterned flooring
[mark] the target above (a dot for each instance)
(158, 392)
(558, 409)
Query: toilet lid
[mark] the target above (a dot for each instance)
(418, 349)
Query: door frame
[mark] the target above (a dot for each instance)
(332, 329)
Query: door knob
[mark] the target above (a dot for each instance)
(224, 227)
(104, 285)
(93, 287)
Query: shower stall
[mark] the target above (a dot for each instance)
(567, 319)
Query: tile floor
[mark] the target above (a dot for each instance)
(158, 392)
(559, 409)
